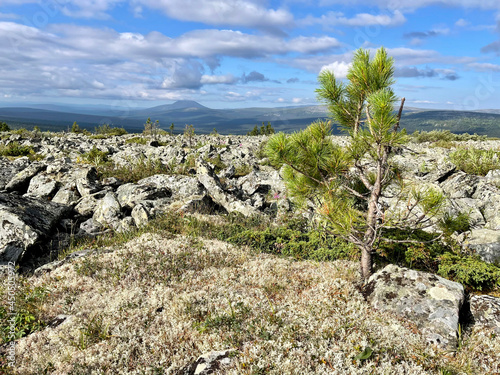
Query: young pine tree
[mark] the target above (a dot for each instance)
(346, 184)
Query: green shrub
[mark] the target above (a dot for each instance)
(451, 224)
(298, 244)
(135, 171)
(445, 136)
(93, 331)
(475, 161)
(15, 149)
(27, 314)
(242, 170)
(109, 130)
(95, 157)
(218, 163)
(4, 127)
(138, 140)
(470, 271)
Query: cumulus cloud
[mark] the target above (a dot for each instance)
(148, 62)
(243, 13)
(338, 68)
(254, 77)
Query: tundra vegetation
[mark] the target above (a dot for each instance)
(281, 290)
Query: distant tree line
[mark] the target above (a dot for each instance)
(264, 130)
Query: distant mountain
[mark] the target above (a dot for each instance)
(235, 121)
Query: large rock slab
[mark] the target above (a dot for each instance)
(210, 181)
(486, 243)
(21, 180)
(485, 311)
(131, 194)
(8, 169)
(488, 201)
(24, 221)
(181, 186)
(429, 301)
(108, 211)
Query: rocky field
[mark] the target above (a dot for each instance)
(119, 269)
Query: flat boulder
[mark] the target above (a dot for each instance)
(25, 221)
(485, 311)
(431, 302)
(486, 244)
(130, 194)
(8, 169)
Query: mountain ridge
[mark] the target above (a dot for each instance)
(234, 121)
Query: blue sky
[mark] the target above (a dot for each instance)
(243, 53)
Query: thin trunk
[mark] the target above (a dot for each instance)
(358, 117)
(371, 218)
(396, 127)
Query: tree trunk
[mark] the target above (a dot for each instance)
(371, 219)
(366, 262)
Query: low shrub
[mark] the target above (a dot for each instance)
(15, 149)
(27, 316)
(445, 136)
(4, 127)
(297, 244)
(106, 129)
(138, 140)
(219, 165)
(475, 161)
(470, 271)
(95, 157)
(135, 171)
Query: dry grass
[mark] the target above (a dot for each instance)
(157, 303)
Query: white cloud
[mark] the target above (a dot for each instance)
(88, 8)
(8, 16)
(462, 23)
(78, 60)
(416, 4)
(330, 19)
(422, 102)
(338, 68)
(484, 67)
(213, 79)
(243, 13)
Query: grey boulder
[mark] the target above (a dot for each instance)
(485, 311)
(431, 302)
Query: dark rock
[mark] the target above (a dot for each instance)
(21, 180)
(25, 221)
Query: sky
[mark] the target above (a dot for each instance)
(243, 53)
